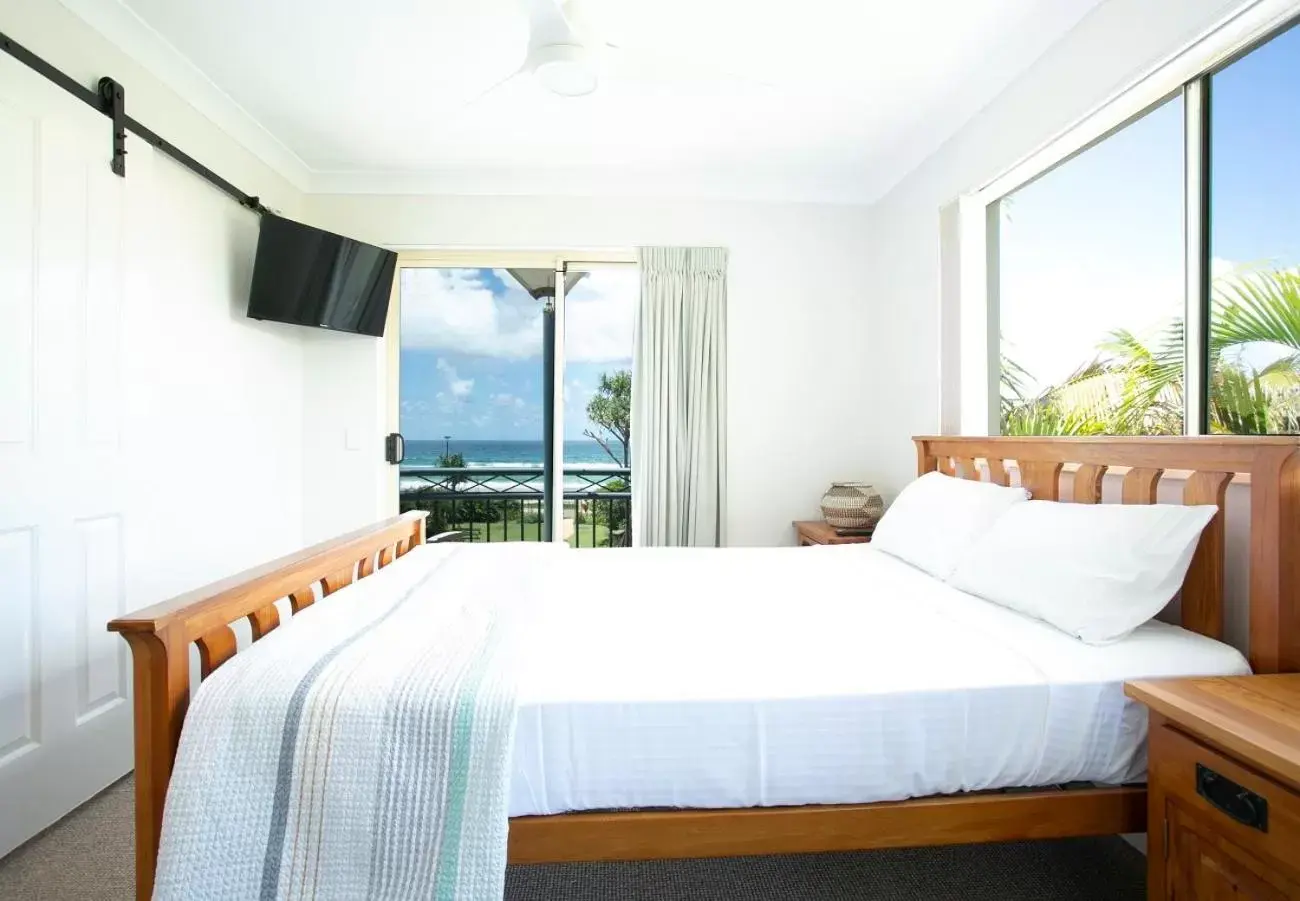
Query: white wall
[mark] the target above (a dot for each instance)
(797, 353)
(213, 399)
(150, 434)
(1111, 47)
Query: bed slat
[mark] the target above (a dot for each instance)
(998, 472)
(1140, 486)
(1087, 483)
(1202, 598)
(1042, 479)
(263, 620)
(386, 556)
(301, 599)
(366, 566)
(335, 581)
(966, 468)
(215, 648)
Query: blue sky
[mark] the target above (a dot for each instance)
(1097, 244)
(471, 362)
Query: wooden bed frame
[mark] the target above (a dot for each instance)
(160, 637)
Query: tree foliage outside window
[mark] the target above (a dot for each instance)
(1135, 386)
(610, 410)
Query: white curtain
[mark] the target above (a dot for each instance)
(679, 398)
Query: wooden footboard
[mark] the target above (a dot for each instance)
(160, 637)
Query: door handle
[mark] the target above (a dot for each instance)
(395, 448)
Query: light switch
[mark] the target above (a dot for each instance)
(351, 440)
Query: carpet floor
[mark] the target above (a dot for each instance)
(88, 856)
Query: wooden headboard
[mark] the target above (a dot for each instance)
(1205, 466)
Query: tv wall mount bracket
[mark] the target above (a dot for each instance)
(110, 99)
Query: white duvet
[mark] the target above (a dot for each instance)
(750, 677)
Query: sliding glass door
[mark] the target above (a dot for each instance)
(599, 320)
(516, 419)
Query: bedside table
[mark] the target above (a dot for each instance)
(1224, 787)
(811, 532)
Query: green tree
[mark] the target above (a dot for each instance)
(452, 461)
(1136, 387)
(610, 408)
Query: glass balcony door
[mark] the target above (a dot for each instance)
(514, 394)
(474, 400)
(595, 421)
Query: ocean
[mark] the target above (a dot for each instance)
(506, 453)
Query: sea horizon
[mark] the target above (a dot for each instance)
(507, 452)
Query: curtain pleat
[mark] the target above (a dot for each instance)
(679, 399)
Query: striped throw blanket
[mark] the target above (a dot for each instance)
(363, 749)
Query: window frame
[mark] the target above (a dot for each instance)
(1186, 72)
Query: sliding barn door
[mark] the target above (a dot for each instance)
(65, 719)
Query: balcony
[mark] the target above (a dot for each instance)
(490, 503)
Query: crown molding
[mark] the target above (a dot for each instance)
(137, 39)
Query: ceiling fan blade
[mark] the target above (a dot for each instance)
(486, 92)
(547, 23)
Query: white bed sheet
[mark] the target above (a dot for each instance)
(776, 676)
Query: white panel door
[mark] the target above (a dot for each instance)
(65, 718)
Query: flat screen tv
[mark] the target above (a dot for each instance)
(307, 276)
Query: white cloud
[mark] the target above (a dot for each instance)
(456, 310)
(460, 388)
(577, 393)
(508, 400)
(600, 316)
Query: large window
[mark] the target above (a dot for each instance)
(1150, 283)
(1254, 173)
(1090, 296)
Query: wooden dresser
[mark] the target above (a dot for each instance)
(1224, 787)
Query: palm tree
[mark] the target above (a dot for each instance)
(1135, 387)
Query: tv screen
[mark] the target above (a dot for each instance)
(307, 276)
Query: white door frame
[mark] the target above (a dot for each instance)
(486, 258)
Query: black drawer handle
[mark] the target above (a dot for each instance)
(1240, 803)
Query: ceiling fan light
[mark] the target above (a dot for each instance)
(567, 70)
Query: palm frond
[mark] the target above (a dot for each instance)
(1255, 307)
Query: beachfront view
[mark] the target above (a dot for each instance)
(474, 407)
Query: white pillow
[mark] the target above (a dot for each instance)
(1096, 572)
(935, 519)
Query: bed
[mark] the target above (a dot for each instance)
(728, 750)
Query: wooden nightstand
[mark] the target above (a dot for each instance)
(1224, 787)
(809, 532)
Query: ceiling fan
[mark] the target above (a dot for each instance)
(569, 48)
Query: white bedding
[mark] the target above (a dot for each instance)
(749, 677)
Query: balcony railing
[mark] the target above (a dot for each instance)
(489, 503)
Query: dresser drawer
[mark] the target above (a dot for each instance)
(1249, 809)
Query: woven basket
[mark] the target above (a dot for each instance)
(852, 505)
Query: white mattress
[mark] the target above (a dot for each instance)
(752, 677)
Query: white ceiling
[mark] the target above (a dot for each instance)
(821, 100)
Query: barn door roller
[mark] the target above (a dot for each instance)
(110, 100)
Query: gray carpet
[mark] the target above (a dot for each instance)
(89, 854)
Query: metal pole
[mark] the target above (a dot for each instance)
(549, 527)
